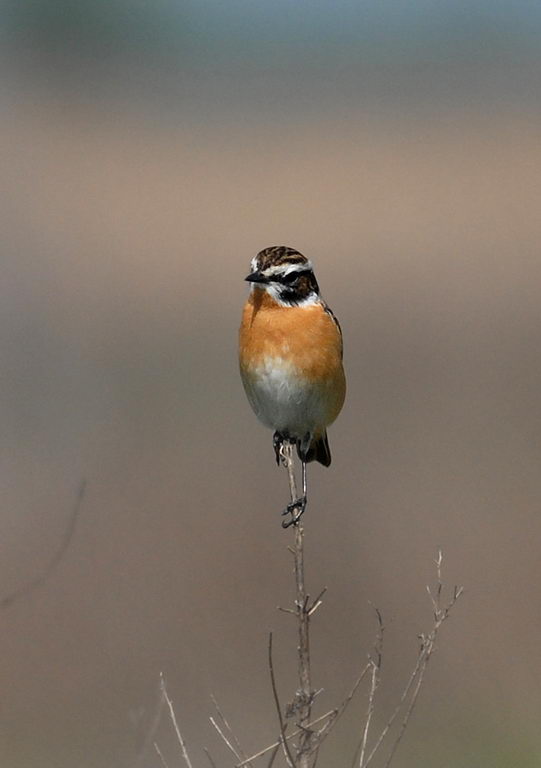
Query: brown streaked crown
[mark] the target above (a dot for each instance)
(278, 255)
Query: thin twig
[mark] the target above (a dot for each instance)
(57, 557)
(409, 711)
(287, 754)
(210, 758)
(427, 646)
(374, 664)
(162, 758)
(273, 756)
(396, 711)
(339, 711)
(151, 733)
(225, 739)
(175, 724)
(233, 736)
(330, 713)
(371, 697)
(317, 602)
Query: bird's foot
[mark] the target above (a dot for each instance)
(296, 510)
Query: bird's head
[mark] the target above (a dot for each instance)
(285, 274)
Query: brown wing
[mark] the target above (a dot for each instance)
(329, 311)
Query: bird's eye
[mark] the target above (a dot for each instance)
(290, 278)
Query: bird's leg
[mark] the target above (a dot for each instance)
(277, 442)
(299, 504)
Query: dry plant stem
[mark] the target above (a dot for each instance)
(273, 756)
(375, 668)
(287, 752)
(396, 711)
(210, 758)
(370, 712)
(162, 758)
(233, 744)
(332, 716)
(304, 697)
(427, 646)
(224, 738)
(337, 713)
(175, 724)
(149, 738)
(56, 559)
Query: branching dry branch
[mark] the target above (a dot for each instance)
(327, 716)
(415, 681)
(428, 643)
(310, 733)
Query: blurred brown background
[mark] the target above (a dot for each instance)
(149, 153)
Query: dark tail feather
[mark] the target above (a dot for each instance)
(318, 450)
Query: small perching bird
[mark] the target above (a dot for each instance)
(291, 358)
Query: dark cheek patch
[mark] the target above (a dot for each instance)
(289, 296)
(303, 287)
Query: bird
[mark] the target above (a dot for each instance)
(291, 358)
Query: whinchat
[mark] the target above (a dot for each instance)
(291, 358)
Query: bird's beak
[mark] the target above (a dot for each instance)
(257, 277)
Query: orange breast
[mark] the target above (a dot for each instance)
(308, 337)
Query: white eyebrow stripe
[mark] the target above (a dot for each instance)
(282, 269)
(306, 267)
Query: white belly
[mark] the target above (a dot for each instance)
(283, 401)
